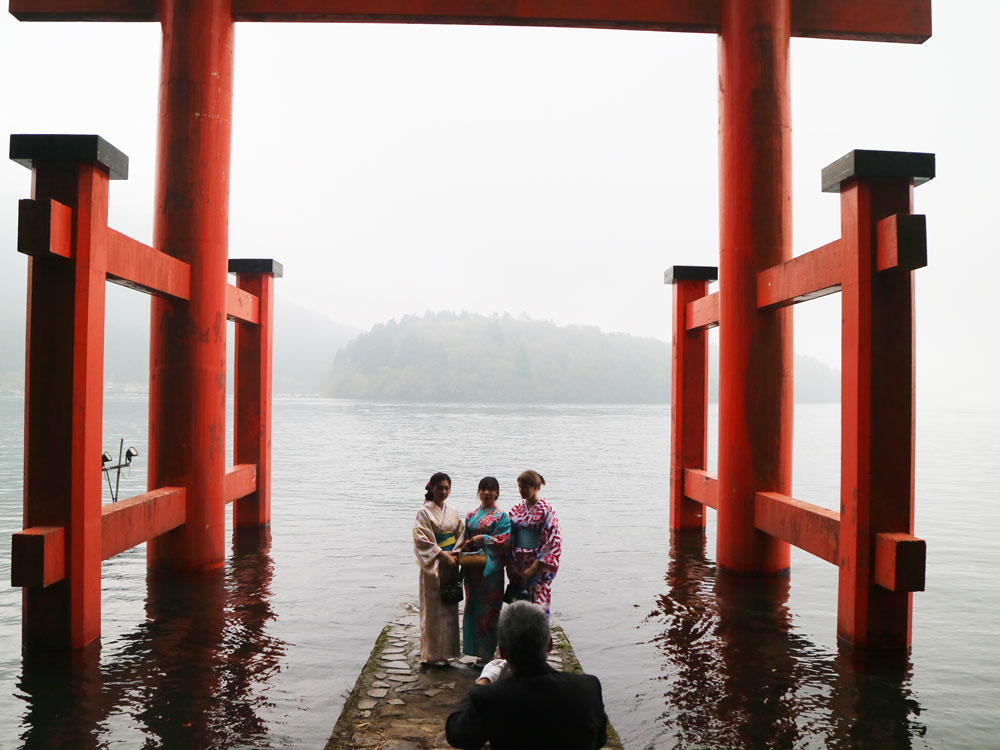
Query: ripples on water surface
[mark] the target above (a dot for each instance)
(263, 653)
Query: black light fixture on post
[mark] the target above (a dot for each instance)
(106, 459)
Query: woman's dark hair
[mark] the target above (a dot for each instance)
(531, 478)
(435, 480)
(489, 483)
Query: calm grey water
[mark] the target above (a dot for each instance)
(263, 654)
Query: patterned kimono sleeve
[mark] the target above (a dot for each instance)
(550, 546)
(499, 540)
(425, 545)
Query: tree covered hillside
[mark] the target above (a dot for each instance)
(464, 357)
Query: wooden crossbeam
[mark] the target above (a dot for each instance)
(38, 554)
(674, 15)
(240, 481)
(907, 21)
(701, 487)
(805, 277)
(871, 20)
(703, 312)
(241, 305)
(900, 561)
(44, 227)
(902, 242)
(138, 519)
(140, 267)
(85, 10)
(809, 527)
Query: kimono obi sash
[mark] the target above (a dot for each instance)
(525, 538)
(446, 540)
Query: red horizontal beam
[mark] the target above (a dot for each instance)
(814, 274)
(900, 560)
(804, 525)
(672, 15)
(240, 481)
(140, 267)
(242, 305)
(873, 20)
(902, 242)
(703, 312)
(85, 10)
(138, 519)
(44, 227)
(38, 556)
(701, 487)
(907, 21)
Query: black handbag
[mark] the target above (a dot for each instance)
(516, 592)
(452, 591)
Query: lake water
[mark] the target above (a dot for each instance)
(263, 654)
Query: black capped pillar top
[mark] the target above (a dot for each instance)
(32, 150)
(862, 163)
(267, 266)
(675, 274)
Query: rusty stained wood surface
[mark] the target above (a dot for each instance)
(907, 21)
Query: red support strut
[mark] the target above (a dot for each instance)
(877, 394)
(64, 372)
(254, 348)
(688, 394)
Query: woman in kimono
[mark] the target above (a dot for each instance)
(536, 541)
(487, 529)
(437, 531)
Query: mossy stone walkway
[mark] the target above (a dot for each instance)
(397, 704)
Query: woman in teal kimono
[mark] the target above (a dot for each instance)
(487, 530)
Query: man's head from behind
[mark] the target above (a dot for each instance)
(524, 635)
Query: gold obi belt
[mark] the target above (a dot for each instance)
(445, 541)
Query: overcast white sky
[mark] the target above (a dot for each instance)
(396, 169)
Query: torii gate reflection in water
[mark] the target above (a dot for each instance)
(187, 417)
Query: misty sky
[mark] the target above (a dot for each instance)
(552, 172)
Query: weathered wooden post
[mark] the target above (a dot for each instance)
(187, 389)
(881, 563)
(62, 230)
(755, 232)
(254, 350)
(689, 387)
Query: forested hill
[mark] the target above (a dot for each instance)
(501, 359)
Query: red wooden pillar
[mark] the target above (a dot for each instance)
(688, 393)
(64, 371)
(877, 399)
(187, 393)
(755, 347)
(254, 353)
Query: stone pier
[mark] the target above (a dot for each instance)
(397, 704)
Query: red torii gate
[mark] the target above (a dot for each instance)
(191, 224)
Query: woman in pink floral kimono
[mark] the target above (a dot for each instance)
(437, 531)
(536, 541)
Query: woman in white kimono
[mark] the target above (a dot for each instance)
(437, 531)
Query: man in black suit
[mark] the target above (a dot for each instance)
(536, 707)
